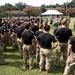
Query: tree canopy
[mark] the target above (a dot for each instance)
(23, 7)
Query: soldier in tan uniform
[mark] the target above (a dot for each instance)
(40, 31)
(70, 57)
(2, 60)
(62, 34)
(13, 35)
(4, 35)
(19, 31)
(45, 40)
(28, 39)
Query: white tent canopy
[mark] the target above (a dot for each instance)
(52, 12)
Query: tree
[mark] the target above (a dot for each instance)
(71, 11)
(60, 9)
(1, 11)
(43, 8)
(20, 6)
(73, 1)
(7, 7)
(32, 11)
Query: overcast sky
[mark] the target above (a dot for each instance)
(34, 2)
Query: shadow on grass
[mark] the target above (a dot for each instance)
(18, 63)
(12, 56)
(10, 49)
(59, 69)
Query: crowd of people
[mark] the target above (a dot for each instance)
(31, 35)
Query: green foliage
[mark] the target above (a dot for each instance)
(7, 7)
(32, 11)
(43, 8)
(20, 6)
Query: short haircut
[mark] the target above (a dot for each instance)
(4, 22)
(36, 21)
(28, 25)
(14, 21)
(19, 23)
(63, 22)
(47, 28)
(40, 26)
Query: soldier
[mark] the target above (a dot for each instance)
(0, 21)
(55, 25)
(4, 35)
(46, 21)
(13, 35)
(2, 60)
(71, 57)
(45, 40)
(63, 35)
(74, 24)
(35, 28)
(51, 20)
(40, 31)
(19, 30)
(68, 21)
(41, 20)
(67, 18)
(28, 39)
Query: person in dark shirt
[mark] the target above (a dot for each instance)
(0, 21)
(28, 39)
(70, 57)
(40, 31)
(4, 28)
(13, 35)
(19, 30)
(13, 27)
(4, 35)
(35, 27)
(74, 24)
(2, 60)
(41, 20)
(45, 40)
(63, 35)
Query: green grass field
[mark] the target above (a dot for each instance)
(15, 67)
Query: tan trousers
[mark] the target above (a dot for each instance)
(28, 52)
(47, 54)
(2, 60)
(4, 39)
(37, 52)
(69, 64)
(14, 41)
(20, 44)
(61, 48)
